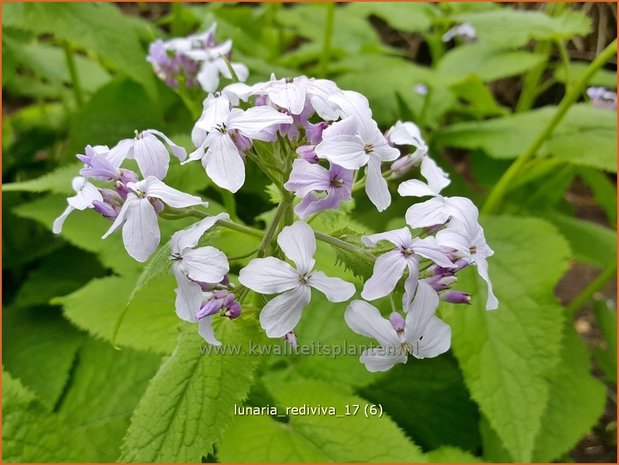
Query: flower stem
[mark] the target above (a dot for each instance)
(270, 232)
(328, 36)
(75, 79)
(339, 243)
(594, 286)
(496, 195)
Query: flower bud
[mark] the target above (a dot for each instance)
(292, 339)
(456, 297)
(105, 209)
(402, 166)
(307, 153)
(313, 132)
(397, 322)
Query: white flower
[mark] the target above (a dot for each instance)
(138, 215)
(466, 236)
(85, 194)
(423, 335)
(465, 31)
(192, 266)
(390, 266)
(218, 151)
(356, 141)
(148, 151)
(273, 276)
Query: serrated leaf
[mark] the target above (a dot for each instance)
(317, 438)
(577, 70)
(606, 355)
(428, 399)
(507, 356)
(586, 136)
(575, 395)
(149, 323)
(57, 181)
(409, 17)
(94, 26)
(39, 348)
(190, 401)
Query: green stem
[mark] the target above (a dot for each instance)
(328, 37)
(530, 83)
(498, 192)
(339, 243)
(270, 232)
(593, 287)
(229, 202)
(565, 60)
(75, 80)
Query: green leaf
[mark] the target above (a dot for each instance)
(604, 191)
(606, 355)
(586, 136)
(590, 242)
(190, 401)
(577, 70)
(93, 26)
(507, 356)
(509, 28)
(114, 112)
(428, 399)
(149, 322)
(93, 415)
(57, 181)
(409, 17)
(28, 433)
(575, 403)
(448, 454)
(487, 62)
(39, 348)
(316, 438)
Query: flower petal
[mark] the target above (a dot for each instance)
(141, 231)
(436, 177)
(121, 151)
(205, 264)
(120, 219)
(345, 151)
(190, 236)
(188, 295)
(492, 303)
(223, 162)
(410, 284)
(380, 359)
(436, 339)
(307, 177)
(298, 243)
(415, 188)
(421, 311)
(335, 289)
(388, 269)
(428, 213)
(399, 237)
(429, 248)
(153, 187)
(178, 151)
(290, 96)
(205, 328)
(376, 185)
(269, 276)
(152, 156)
(281, 314)
(365, 319)
(59, 222)
(256, 119)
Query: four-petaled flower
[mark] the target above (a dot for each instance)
(138, 215)
(422, 334)
(273, 276)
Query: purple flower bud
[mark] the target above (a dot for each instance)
(314, 132)
(111, 197)
(292, 339)
(307, 153)
(456, 297)
(157, 204)
(440, 283)
(261, 100)
(128, 176)
(105, 209)
(242, 142)
(233, 310)
(397, 322)
(209, 308)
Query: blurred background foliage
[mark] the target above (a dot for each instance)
(76, 74)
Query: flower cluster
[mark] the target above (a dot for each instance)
(318, 144)
(194, 60)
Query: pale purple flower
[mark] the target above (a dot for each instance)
(273, 276)
(355, 141)
(309, 179)
(602, 98)
(220, 155)
(138, 216)
(148, 151)
(422, 334)
(85, 194)
(390, 266)
(421, 89)
(464, 31)
(464, 235)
